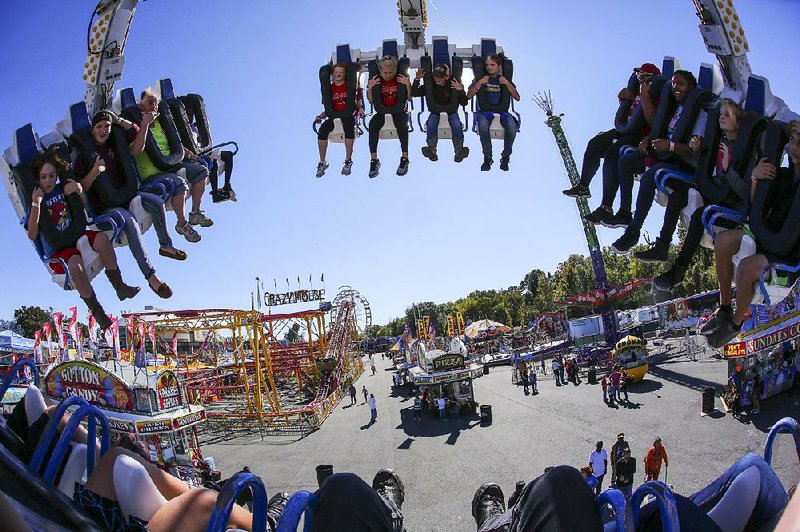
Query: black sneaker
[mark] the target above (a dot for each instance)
(621, 219)
(718, 318)
(218, 196)
(578, 191)
(517, 493)
(624, 243)
(374, 168)
(667, 280)
(504, 163)
(658, 253)
(724, 333)
(275, 508)
(402, 168)
(388, 484)
(461, 154)
(430, 153)
(599, 215)
(487, 164)
(488, 501)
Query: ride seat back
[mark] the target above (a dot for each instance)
(633, 122)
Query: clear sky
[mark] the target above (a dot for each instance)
(436, 234)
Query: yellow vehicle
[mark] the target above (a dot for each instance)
(631, 354)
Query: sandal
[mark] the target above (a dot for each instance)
(172, 253)
(163, 291)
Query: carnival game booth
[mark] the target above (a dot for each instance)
(148, 406)
(447, 374)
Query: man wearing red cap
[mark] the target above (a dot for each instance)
(606, 145)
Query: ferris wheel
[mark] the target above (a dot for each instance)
(362, 314)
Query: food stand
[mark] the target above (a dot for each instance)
(631, 354)
(447, 374)
(148, 406)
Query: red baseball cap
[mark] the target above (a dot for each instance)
(648, 68)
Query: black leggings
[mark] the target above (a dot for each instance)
(400, 122)
(647, 190)
(605, 146)
(348, 124)
(227, 158)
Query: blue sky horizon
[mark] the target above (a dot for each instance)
(438, 233)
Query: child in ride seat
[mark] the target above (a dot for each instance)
(494, 81)
(724, 324)
(388, 82)
(50, 196)
(339, 103)
(445, 84)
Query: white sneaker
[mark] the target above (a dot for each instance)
(188, 232)
(198, 218)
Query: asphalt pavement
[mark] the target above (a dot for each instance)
(442, 463)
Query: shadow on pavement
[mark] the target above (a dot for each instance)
(645, 386)
(685, 380)
(431, 426)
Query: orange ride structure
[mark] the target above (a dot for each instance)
(276, 374)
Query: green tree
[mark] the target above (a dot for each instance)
(30, 319)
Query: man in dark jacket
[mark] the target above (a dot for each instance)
(625, 471)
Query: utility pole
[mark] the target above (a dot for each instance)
(545, 101)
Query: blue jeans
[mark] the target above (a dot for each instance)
(373, 414)
(134, 236)
(618, 174)
(154, 205)
(626, 490)
(432, 126)
(441, 413)
(510, 128)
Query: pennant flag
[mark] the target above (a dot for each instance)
(115, 336)
(73, 324)
(64, 354)
(79, 341)
(58, 320)
(140, 326)
(46, 331)
(108, 334)
(140, 360)
(92, 327)
(175, 343)
(131, 327)
(287, 284)
(37, 350)
(322, 278)
(152, 333)
(298, 282)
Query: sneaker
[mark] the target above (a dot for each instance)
(198, 218)
(624, 243)
(488, 501)
(231, 194)
(430, 153)
(374, 168)
(658, 253)
(275, 508)
(218, 196)
(723, 334)
(188, 232)
(348, 167)
(578, 191)
(402, 168)
(389, 485)
(667, 280)
(718, 318)
(504, 163)
(321, 167)
(487, 164)
(461, 154)
(621, 219)
(599, 216)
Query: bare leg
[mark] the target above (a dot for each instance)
(178, 203)
(748, 272)
(725, 247)
(197, 194)
(80, 435)
(101, 481)
(348, 148)
(79, 278)
(191, 511)
(102, 245)
(322, 145)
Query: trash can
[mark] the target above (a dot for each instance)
(707, 401)
(486, 369)
(592, 376)
(486, 413)
(323, 472)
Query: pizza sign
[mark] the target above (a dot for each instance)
(448, 363)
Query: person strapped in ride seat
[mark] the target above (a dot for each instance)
(196, 173)
(217, 194)
(389, 82)
(444, 87)
(339, 95)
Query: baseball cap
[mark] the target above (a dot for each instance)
(440, 70)
(648, 68)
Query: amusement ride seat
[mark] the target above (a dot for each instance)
(480, 105)
(389, 130)
(343, 55)
(441, 55)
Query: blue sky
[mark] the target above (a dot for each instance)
(436, 234)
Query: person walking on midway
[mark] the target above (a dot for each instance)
(626, 469)
(442, 404)
(366, 393)
(598, 461)
(556, 373)
(373, 408)
(417, 408)
(652, 461)
(352, 391)
(616, 455)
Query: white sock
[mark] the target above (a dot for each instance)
(733, 511)
(34, 404)
(136, 492)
